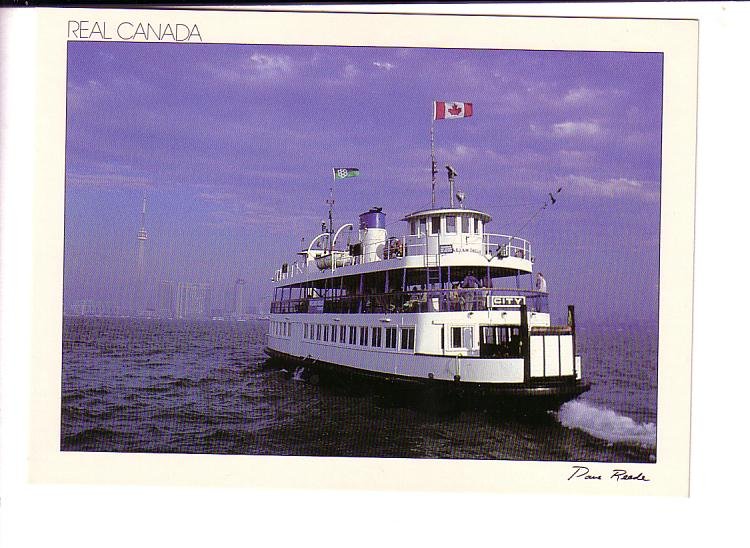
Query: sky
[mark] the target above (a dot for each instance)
(234, 146)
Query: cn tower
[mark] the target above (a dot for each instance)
(142, 237)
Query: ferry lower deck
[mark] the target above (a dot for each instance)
(480, 354)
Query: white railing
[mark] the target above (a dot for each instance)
(503, 246)
(495, 245)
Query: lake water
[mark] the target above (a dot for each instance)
(161, 386)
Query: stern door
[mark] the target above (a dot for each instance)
(551, 355)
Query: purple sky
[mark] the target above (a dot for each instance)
(235, 145)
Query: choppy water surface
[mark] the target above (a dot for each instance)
(203, 387)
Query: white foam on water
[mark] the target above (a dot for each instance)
(298, 373)
(606, 424)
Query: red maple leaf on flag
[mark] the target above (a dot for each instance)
(455, 110)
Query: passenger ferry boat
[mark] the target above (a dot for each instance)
(442, 306)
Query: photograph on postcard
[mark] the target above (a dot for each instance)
(360, 251)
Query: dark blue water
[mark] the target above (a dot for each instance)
(204, 387)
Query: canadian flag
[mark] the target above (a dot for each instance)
(443, 110)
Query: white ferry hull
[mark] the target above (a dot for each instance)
(544, 394)
(547, 375)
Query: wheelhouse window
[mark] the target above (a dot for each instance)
(423, 226)
(407, 338)
(435, 228)
(450, 224)
(391, 336)
(413, 227)
(477, 226)
(466, 224)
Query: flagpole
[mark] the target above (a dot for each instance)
(330, 203)
(432, 154)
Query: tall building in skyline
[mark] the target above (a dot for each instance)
(166, 300)
(193, 300)
(140, 290)
(238, 303)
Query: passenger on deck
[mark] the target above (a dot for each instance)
(541, 286)
(541, 283)
(470, 282)
(454, 298)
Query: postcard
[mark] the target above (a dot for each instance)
(364, 251)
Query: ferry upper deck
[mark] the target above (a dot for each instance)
(446, 262)
(451, 236)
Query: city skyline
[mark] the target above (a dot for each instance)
(176, 299)
(235, 146)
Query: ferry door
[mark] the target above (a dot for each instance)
(433, 244)
(551, 355)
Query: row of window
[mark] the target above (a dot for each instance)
(361, 335)
(453, 225)
(280, 329)
(388, 337)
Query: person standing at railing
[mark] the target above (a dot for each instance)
(454, 298)
(470, 282)
(541, 286)
(541, 283)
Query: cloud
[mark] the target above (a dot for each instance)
(582, 94)
(255, 68)
(107, 181)
(457, 151)
(575, 158)
(384, 66)
(84, 94)
(270, 63)
(641, 140)
(350, 71)
(613, 187)
(570, 129)
(235, 211)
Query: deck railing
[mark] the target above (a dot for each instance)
(488, 245)
(432, 300)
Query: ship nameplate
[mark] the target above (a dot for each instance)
(502, 301)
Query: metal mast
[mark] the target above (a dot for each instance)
(330, 201)
(451, 179)
(432, 156)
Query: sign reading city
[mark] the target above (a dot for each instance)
(502, 301)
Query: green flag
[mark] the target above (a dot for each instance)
(344, 172)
